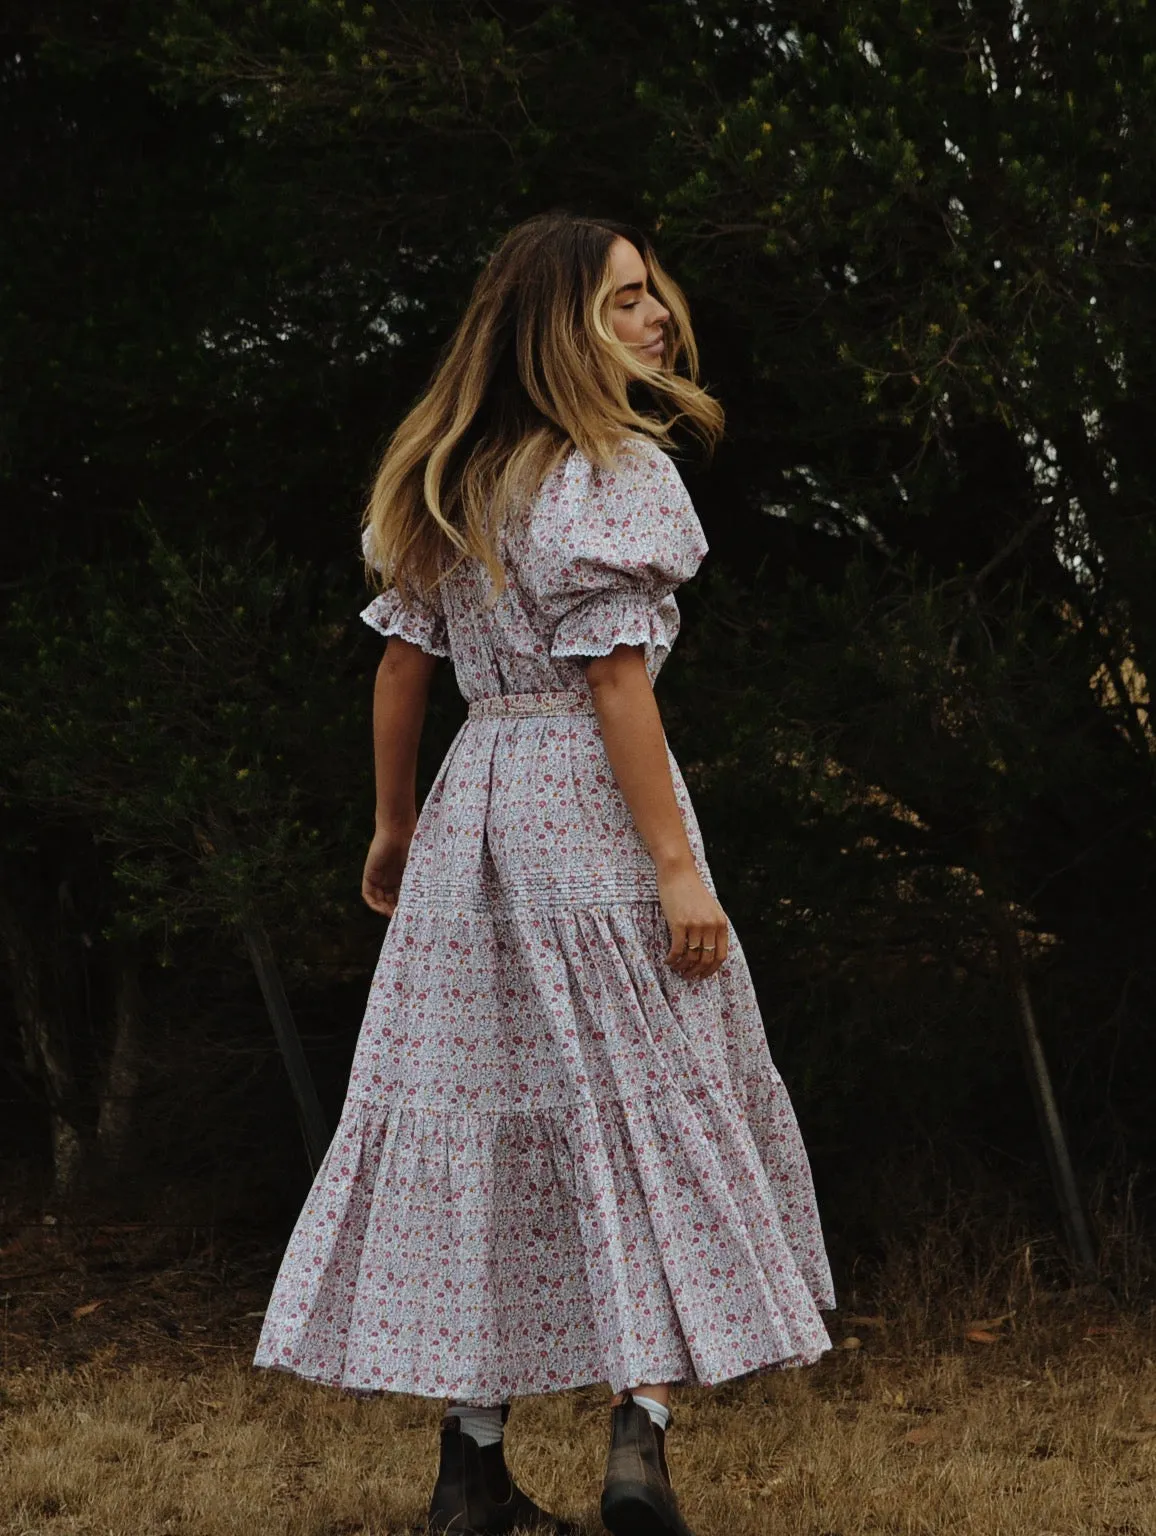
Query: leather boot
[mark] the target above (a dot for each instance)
(475, 1495)
(637, 1499)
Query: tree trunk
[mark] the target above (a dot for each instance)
(44, 1040)
(312, 1118)
(309, 1111)
(1052, 1132)
(118, 1089)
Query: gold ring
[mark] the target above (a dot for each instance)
(710, 948)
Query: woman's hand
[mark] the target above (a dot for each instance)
(384, 866)
(694, 918)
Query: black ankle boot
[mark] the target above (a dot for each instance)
(637, 1499)
(475, 1495)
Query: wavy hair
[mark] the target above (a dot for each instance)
(533, 370)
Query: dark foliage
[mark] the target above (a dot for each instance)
(912, 689)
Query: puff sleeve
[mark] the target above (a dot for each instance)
(421, 623)
(613, 548)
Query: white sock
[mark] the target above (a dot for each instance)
(659, 1412)
(483, 1425)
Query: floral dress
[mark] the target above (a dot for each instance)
(559, 1162)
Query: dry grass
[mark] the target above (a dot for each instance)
(128, 1405)
(1032, 1436)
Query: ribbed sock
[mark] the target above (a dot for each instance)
(484, 1425)
(659, 1412)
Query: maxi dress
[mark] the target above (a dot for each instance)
(558, 1162)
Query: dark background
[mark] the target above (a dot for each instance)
(911, 695)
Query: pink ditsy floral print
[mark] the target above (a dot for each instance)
(558, 1162)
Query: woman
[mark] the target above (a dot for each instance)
(565, 1156)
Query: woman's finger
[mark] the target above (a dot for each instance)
(687, 957)
(723, 941)
(677, 943)
(719, 940)
(379, 897)
(694, 950)
(705, 962)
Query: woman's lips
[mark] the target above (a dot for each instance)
(655, 348)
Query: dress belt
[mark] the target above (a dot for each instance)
(521, 706)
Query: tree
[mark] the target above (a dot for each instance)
(919, 261)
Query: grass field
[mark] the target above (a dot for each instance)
(128, 1405)
(1015, 1438)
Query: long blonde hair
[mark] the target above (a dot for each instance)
(533, 369)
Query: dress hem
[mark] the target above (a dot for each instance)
(540, 1388)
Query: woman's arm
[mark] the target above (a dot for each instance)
(399, 701)
(636, 746)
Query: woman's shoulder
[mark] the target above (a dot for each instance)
(631, 513)
(640, 471)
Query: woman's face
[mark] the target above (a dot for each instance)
(636, 315)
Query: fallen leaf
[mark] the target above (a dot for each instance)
(1098, 1332)
(987, 1324)
(865, 1322)
(209, 1403)
(981, 1336)
(851, 1342)
(88, 1308)
(923, 1434)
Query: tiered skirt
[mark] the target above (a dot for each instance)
(558, 1161)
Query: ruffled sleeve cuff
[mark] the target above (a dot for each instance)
(409, 621)
(607, 619)
(414, 621)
